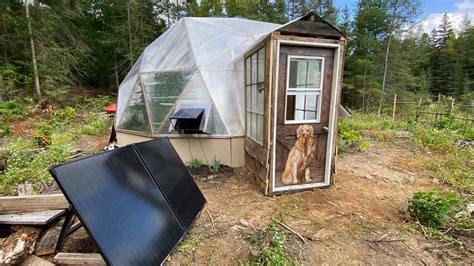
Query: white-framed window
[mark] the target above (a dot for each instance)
(255, 94)
(304, 87)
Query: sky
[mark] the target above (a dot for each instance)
(432, 11)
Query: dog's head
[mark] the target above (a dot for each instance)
(304, 132)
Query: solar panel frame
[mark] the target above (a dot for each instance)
(56, 172)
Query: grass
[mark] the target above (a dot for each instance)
(50, 143)
(451, 164)
(274, 247)
(273, 244)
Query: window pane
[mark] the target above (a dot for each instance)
(260, 102)
(247, 71)
(254, 126)
(314, 73)
(310, 115)
(248, 124)
(311, 102)
(305, 73)
(259, 137)
(248, 97)
(254, 98)
(261, 65)
(299, 115)
(302, 72)
(299, 104)
(254, 68)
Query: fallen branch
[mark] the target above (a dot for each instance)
(212, 221)
(294, 232)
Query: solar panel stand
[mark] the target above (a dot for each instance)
(67, 228)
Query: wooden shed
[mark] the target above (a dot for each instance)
(293, 80)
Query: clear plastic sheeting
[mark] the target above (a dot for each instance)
(135, 117)
(197, 62)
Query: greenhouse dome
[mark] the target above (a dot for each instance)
(197, 64)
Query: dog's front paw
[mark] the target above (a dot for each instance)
(307, 179)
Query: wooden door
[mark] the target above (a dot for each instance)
(304, 95)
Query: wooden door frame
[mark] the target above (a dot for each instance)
(332, 114)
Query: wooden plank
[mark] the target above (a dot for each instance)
(79, 259)
(31, 218)
(16, 204)
(35, 261)
(48, 242)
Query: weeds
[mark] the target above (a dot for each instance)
(215, 167)
(195, 164)
(435, 211)
(94, 124)
(433, 208)
(274, 245)
(188, 246)
(51, 142)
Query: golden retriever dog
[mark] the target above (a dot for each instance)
(300, 157)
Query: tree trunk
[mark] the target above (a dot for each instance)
(116, 71)
(385, 67)
(129, 34)
(5, 40)
(33, 54)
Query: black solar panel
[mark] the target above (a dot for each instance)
(188, 113)
(173, 178)
(121, 207)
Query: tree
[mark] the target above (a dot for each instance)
(399, 14)
(33, 52)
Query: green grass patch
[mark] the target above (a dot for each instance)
(51, 142)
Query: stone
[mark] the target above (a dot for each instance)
(244, 222)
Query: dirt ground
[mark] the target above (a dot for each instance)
(362, 219)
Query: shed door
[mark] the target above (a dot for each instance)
(304, 95)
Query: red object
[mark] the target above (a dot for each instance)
(110, 109)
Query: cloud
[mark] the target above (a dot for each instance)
(457, 17)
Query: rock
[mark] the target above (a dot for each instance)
(244, 222)
(470, 209)
(25, 189)
(368, 177)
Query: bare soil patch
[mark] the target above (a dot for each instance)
(362, 219)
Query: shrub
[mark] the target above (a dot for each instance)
(95, 124)
(42, 135)
(195, 164)
(215, 167)
(433, 208)
(439, 140)
(348, 134)
(63, 116)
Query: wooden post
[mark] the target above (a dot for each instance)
(418, 110)
(394, 106)
(437, 107)
(451, 107)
